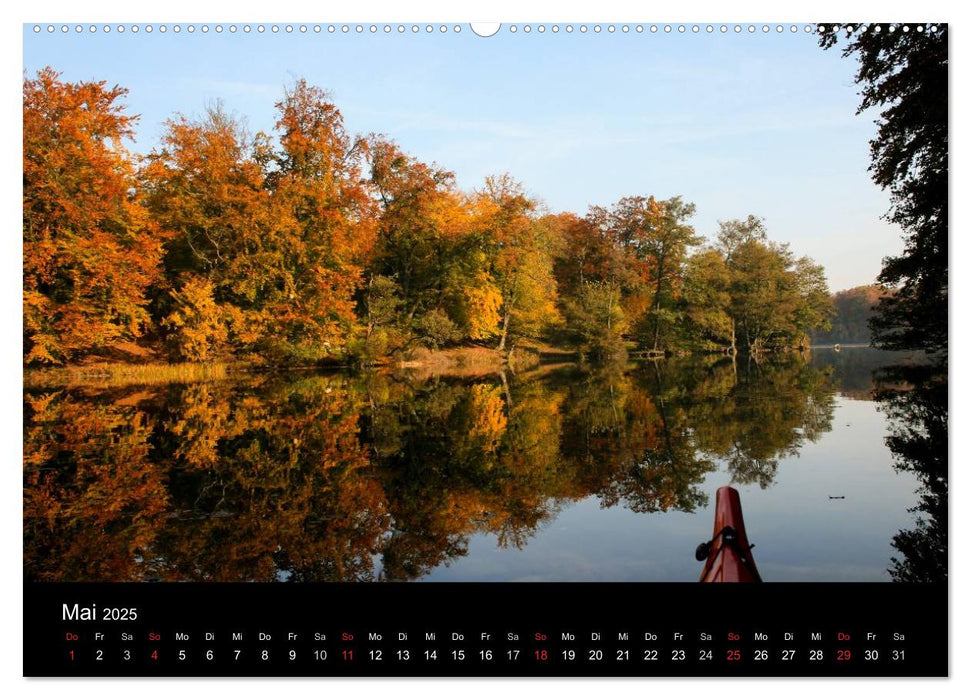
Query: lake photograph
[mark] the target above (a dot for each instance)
(406, 303)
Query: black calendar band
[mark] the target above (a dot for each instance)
(471, 629)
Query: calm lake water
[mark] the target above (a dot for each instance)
(557, 474)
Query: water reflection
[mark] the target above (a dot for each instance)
(342, 478)
(914, 399)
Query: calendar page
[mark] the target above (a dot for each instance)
(515, 349)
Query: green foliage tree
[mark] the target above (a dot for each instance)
(595, 314)
(658, 235)
(814, 305)
(752, 290)
(707, 301)
(381, 304)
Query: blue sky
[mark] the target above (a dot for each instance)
(737, 123)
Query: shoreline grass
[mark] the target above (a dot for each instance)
(124, 374)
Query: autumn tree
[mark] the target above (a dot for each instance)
(598, 280)
(323, 213)
(206, 184)
(431, 244)
(588, 252)
(90, 250)
(522, 260)
(276, 236)
(658, 234)
(310, 244)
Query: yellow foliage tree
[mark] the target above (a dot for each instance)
(198, 323)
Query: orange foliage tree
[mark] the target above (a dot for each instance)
(207, 186)
(278, 236)
(90, 250)
(324, 213)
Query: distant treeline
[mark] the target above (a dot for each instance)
(311, 244)
(853, 310)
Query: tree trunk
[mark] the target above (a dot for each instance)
(610, 304)
(657, 325)
(370, 316)
(734, 344)
(657, 301)
(505, 332)
(505, 387)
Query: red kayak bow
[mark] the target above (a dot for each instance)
(728, 556)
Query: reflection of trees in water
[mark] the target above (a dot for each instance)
(752, 414)
(94, 500)
(632, 443)
(853, 367)
(335, 478)
(462, 461)
(915, 402)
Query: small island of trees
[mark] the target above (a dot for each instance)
(310, 245)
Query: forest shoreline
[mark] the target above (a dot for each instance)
(309, 246)
(473, 360)
(144, 368)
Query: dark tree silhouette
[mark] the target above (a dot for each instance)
(918, 420)
(904, 74)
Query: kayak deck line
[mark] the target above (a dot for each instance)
(728, 555)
